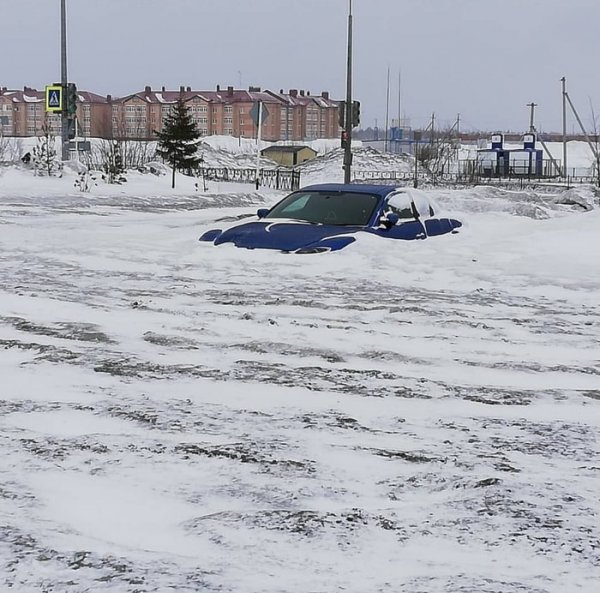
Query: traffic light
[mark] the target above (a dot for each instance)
(70, 106)
(355, 113)
(71, 99)
(72, 129)
(344, 139)
(342, 114)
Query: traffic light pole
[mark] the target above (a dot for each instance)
(348, 119)
(64, 80)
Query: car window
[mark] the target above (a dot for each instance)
(295, 205)
(336, 208)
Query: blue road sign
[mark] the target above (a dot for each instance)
(254, 113)
(54, 97)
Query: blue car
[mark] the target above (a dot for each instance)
(327, 217)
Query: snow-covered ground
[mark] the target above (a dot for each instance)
(418, 417)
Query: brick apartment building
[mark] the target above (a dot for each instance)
(295, 116)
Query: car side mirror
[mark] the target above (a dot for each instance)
(391, 218)
(262, 212)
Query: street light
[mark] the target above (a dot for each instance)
(348, 106)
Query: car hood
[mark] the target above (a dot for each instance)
(282, 235)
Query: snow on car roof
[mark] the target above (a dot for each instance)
(359, 188)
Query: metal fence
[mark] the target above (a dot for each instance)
(283, 179)
(472, 172)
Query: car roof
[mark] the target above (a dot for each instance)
(358, 188)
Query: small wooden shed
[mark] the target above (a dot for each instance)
(289, 156)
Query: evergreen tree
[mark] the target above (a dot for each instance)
(112, 161)
(177, 142)
(44, 156)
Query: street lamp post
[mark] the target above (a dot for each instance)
(64, 80)
(348, 119)
(564, 130)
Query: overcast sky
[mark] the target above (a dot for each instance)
(483, 59)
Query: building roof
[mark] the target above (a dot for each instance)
(304, 98)
(89, 97)
(286, 148)
(29, 95)
(222, 96)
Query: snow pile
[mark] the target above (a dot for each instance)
(328, 168)
(215, 156)
(538, 204)
(585, 197)
(249, 146)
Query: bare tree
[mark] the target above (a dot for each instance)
(436, 157)
(3, 147)
(135, 148)
(595, 138)
(11, 149)
(109, 155)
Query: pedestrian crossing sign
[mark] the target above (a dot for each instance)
(54, 98)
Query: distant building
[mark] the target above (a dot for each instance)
(23, 113)
(306, 116)
(294, 116)
(498, 161)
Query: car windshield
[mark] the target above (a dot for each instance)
(339, 208)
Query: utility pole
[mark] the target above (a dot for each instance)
(531, 117)
(564, 108)
(399, 98)
(431, 128)
(387, 112)
(457, 136)
(258, 138)
(581, 126)
(416, 139)
(64, 81)
(348, 120)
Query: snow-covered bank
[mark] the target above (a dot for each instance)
(417, 417)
